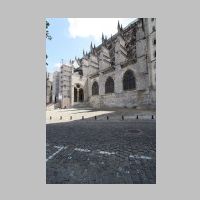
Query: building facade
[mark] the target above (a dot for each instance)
(48, 89)
(55, 87)
(65, 85)
(120, 72)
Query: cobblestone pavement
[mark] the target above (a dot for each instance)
(110, 152)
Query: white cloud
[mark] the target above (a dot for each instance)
(86, 27)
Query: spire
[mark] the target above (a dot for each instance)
(94, 50)
(118, 26)
(102, 37)
(83, 52)
(121, 27)
(91, 47)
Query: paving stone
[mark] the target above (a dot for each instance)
(108, 159)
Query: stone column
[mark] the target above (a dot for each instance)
(118, 79)
(101, 84)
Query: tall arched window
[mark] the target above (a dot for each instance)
(129, 80)
(95, 88)
(109, 85)
(75, 95)
(81, 95)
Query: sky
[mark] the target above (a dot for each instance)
(71, 35)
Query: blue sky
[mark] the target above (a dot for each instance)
(70, 36)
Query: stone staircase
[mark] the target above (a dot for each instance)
(52, 106)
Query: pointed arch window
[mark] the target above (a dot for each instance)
(109, 85)
(75, 94)
(129, 80)
(95, 88)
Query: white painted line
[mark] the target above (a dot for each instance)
(140, 157)
(57, 147)
(60, 148)
(106, 152)
(82, 150)
(50, 157)
(145, 157)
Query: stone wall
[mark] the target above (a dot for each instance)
(48, 91)
(120, 98)
(55, 87)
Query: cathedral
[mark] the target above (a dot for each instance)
(120, 72)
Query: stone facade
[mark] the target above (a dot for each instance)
(55, 87)
(48, 89)
(65, 86)
(127, 59)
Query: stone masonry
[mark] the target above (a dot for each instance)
(132, 50)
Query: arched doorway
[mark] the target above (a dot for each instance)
(81, 95)
(78, 93)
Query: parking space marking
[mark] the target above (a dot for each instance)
(107, 153)
(57, 147)
(82, 150)
(50, 157)
(60, 148)
(140, 157)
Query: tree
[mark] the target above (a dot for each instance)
(47, 31)
(48, 36)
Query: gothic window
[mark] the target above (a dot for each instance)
(75, 95)
(81, 95)
(154, 41)
(95, 88)
(129, 80)
(109, 85)
(153, 28)
(77, 85)
(154, 53)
